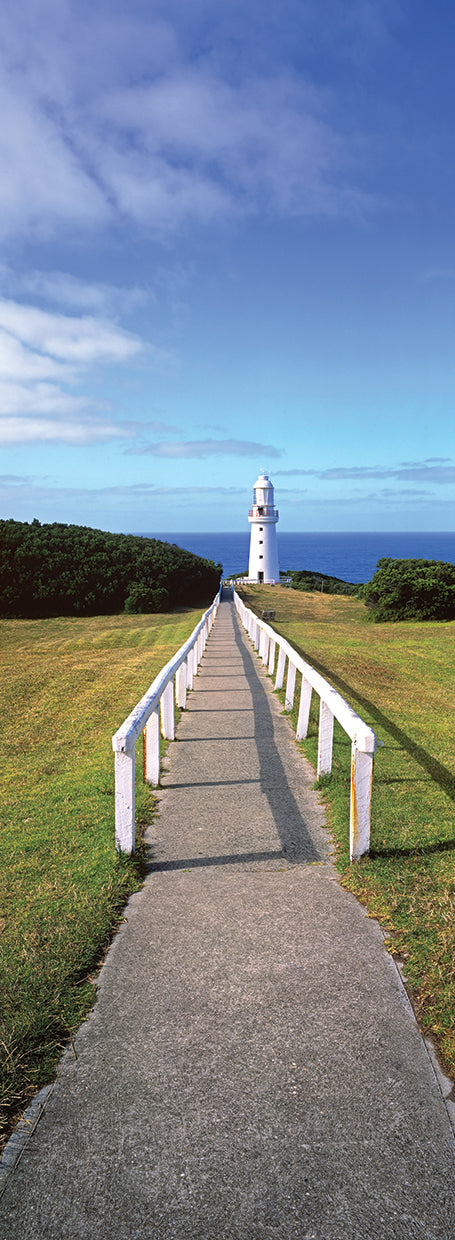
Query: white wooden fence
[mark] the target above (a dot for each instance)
(332, 706)
(156, 714)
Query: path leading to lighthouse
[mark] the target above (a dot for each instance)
(251, 1069)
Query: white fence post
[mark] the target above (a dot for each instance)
(325, 739)
(167, 712)
(280, 669)
(290, 686)
(271, 666)
(304, 710)
(189, 670)
(180, 686)
(152, 748)
(124, 801)
(361, 788)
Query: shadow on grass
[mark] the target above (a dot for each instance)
(423, 850)
(434, 768)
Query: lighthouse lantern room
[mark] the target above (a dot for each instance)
(263, 517)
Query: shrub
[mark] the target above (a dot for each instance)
(411, 590)
(144, 598)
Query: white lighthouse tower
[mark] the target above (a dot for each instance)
(263, 517)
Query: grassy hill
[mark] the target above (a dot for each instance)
(400, 679)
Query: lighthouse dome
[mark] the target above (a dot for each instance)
(263, 490)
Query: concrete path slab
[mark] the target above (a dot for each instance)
(252, 1069)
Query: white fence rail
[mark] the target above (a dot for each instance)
(156, 714)
(332, 706)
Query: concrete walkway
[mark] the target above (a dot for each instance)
(251, 1069)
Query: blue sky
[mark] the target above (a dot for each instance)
(227, 244)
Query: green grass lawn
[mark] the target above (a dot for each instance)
(400, 679)
(66, 686)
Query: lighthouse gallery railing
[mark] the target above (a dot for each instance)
(332, 706)
(259, 511)
(156, 714)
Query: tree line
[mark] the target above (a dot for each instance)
(57, 569)
(309, 581)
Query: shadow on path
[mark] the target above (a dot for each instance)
(193, 863)
(293, 832)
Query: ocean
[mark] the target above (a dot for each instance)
(352, 557)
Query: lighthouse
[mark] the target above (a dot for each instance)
(263, 517)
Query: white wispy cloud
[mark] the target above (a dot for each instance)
(145, 505)
(38, 399)
(11, 480)
(439, 474)
(82, 339)
(203, 147)
(19, 362)
(79, 433)
(43, 184)
(200, 448)
(429, 460)
(36, 490)
(148, 127)
(44, 360)
(434, 470)
(63, 289)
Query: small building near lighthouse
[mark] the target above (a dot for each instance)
(263, 516)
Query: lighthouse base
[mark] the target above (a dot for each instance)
(263, 566)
